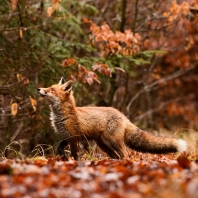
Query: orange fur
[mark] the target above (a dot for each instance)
(107, 126)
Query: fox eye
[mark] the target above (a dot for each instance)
(52, 89)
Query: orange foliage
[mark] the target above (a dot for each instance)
(110, 43)
(136, 177)
(68, 62)
(170, 26)
(177, 11)
(84, 74)
(103, 69)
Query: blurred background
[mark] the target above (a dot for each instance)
(139, 56)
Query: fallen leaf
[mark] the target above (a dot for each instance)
(183, 161)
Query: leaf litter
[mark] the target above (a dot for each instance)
(144, 175)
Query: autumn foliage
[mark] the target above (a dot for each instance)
(137, 56)
(110, 43)
(142, 176)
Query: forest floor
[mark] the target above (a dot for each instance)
(144, 175)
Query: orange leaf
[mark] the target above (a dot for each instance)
(108, 72)
(20, 33)
(14, 4)
(165, 14)
(49, 11)
(33, 103)
(14, 108)
(85, 20)
(19, 77)
(55, 3)
(68, 62)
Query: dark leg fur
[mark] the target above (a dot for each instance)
(61, 151)
(74, 150)
(108, 150)
(118, 148)
(85, 144)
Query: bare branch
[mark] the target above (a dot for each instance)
(17, 132)
(136, 15)
(123, 16)
(151, 111)
(155, 84)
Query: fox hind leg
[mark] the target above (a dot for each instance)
(119, 148)
(107, 149)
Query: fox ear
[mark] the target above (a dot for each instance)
(62, 81)
(68, 86)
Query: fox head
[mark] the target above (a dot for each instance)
(57, 93)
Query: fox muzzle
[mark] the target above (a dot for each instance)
(41, 92)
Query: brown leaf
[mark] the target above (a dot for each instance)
(120, 69)
(82, 69)
(5, 169)
(72, 78)
(183, 161)
(19, 77)
(26, 81)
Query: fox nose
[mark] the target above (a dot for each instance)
(39, 89)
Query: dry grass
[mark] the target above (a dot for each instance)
(14, 149)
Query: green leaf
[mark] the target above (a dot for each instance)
(90, 9)
(150, 53)
(140, 61)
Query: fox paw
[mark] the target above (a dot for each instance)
(62, 158)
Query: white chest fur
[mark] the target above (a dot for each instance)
(57, 121)
(52, 118)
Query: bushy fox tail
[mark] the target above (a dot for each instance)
(144, 142)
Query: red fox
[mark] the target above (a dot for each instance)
(107, 126)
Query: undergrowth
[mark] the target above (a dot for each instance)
(14, 149)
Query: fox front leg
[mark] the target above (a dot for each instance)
(85, 145)
(61, 148)
(74, 149)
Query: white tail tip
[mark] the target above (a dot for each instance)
(181, 145)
